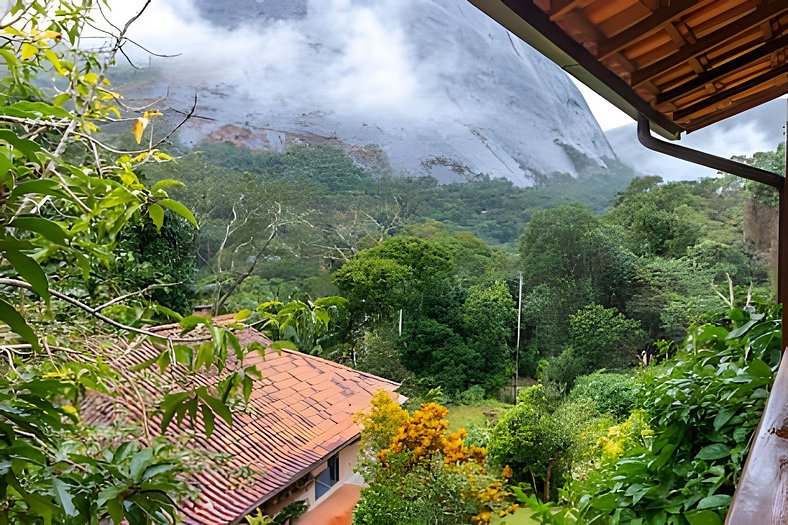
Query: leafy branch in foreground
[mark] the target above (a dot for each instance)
(65, 198)
(703, 405)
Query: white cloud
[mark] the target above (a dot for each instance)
(344, 55)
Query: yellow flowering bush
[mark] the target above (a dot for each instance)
(424, 475)
(380, 424)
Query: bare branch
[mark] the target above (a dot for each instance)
(98, 315)
(133, 294)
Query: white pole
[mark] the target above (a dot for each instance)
(517, 350)
(400, 322)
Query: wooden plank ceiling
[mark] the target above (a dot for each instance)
(687, 64)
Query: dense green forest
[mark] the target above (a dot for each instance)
(441, 262)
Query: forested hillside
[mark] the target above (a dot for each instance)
(632, 262)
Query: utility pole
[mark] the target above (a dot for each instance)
(517, 345)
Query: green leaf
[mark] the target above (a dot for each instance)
(27, 268)
(715, 501)
(219, 408)
(64, 497)
(742, 329)
(166, 183)
(29, 109)
(110, 493)
(725, 414)
(169, 312)
(27, 147)
(156, 470)
(115, 510)
(17, 323)
(139, 462)
(208, 420)
(156, 213)
(758, 368)
(180, 209)
(122, 452)
(171, 403)
(243, 314)
(35, 187)
(607, 501)
(247, 387)
(703, 517)
(48, 229)
(283, 345)
(190, 322)
(715, 451)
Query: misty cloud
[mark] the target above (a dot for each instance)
(350, 57)
(435, 84)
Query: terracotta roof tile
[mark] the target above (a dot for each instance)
(301, 411)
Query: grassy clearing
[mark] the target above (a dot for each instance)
(521, 517)
(463, 416)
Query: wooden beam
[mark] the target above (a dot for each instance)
(708, 102)
(647, 27)
(741, 105)
(559, 8)
(540, 22)
(707, 43)
(725, 69)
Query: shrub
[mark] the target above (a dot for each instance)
(425, 477)
(473, 395)
(611, 393)
(704, 404)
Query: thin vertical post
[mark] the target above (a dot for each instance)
(400, 321)
(782, 247)
(517, 345)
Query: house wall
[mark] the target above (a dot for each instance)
(348, 458)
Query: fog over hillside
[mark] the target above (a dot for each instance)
(438, 86)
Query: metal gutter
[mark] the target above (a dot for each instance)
(706, 159)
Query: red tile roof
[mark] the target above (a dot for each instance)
(300, 413)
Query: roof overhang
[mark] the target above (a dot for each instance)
(683, 65)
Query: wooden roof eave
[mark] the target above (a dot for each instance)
(536, 29)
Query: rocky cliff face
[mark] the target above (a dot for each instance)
(427, 87)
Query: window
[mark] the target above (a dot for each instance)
(328, 478)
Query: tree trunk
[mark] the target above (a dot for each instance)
(547, 477)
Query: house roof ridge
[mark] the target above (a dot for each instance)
(339, 365)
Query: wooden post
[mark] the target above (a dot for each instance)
(782, 247)
(782, 260)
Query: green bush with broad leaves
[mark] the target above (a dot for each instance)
(66, 199)
(703, 406)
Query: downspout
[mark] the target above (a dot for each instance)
(740, 170)
(705, 159)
